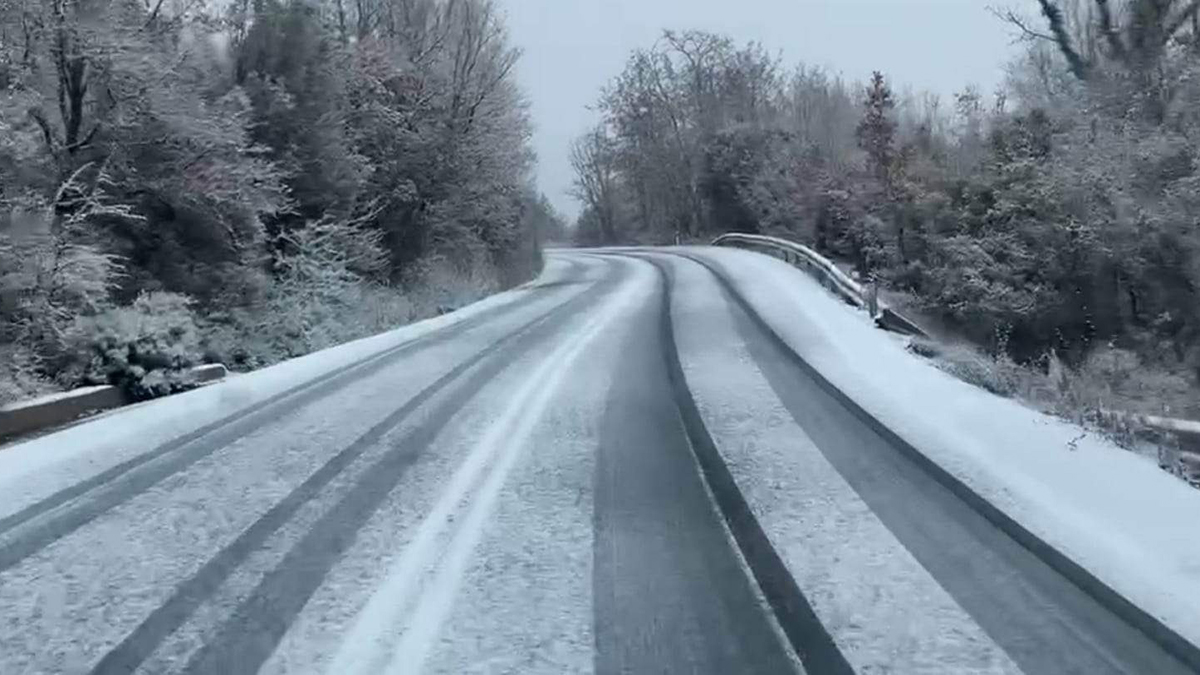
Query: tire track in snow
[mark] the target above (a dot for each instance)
(33, 528)
(1024, 594)
(190, 594)
(882, 607)
(366, 647)
(670, 592)
(808, 636)
(244, 641)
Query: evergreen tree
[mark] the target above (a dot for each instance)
(876, 131)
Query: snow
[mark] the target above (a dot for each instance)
(886, 612)
(107, 440)
(463, 510)
(1111, 511)
(526, 603)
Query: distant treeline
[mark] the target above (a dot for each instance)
(1056, 218)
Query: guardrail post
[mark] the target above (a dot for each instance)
(873, 296)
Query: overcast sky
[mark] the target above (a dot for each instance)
(574, 47)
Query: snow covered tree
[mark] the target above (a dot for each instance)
(223, 156)
(876, 130)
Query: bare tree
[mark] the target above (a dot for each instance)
(593, 159)
(1134, 36)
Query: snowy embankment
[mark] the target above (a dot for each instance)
(1110, 511)
(108, 440)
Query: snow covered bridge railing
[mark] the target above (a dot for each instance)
(828, 273)
(1182, 457)
(814, 263)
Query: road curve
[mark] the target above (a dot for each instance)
(618, 470)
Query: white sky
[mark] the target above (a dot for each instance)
(574, 47)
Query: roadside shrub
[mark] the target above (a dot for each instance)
(379, 308)
(294, 323)
(1000, 376)
(322, 293)
(19, 378)
(1117, 378)
(438, 285)
(1105, 394)
(231, 337)
(145, 348)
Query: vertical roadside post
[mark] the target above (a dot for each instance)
(872, 296)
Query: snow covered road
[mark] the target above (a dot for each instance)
(618, 468)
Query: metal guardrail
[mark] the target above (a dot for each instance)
(820, 266)
(833, 278)
(1183, 461)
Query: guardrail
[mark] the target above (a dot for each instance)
(25, 417)
(821, 267)
(1182, 460)
(830, 276)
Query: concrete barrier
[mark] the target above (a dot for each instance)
(1182, 457)
(24, 417)
(209, 373)
(890, 319)
(50, 411)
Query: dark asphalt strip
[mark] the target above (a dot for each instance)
(250, 634)
(53, 517)
(808, 636)
(670, 595)
(1048, 614)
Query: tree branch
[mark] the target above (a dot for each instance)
(1079, 67)
(1010, 17)
(1196, 30)
(153, 14)
(47, 134)
(1110, 32)
(72, 184)
(85, 141)
(1177, 23)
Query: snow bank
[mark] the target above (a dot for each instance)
(1113, 512)
(109, 439)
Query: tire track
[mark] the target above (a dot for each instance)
(477, 482)
(189, 595)
(1079, 598)
(670, 593)
(808, 636)
(245, 640)
(40, 524)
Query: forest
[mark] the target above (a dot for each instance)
(245, 182)
(1051, 223)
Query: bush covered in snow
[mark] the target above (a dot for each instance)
(61, 326)
(19, 378)
(145, 348)
(293, 200)
(302, 316)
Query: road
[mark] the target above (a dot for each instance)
(620, 471)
